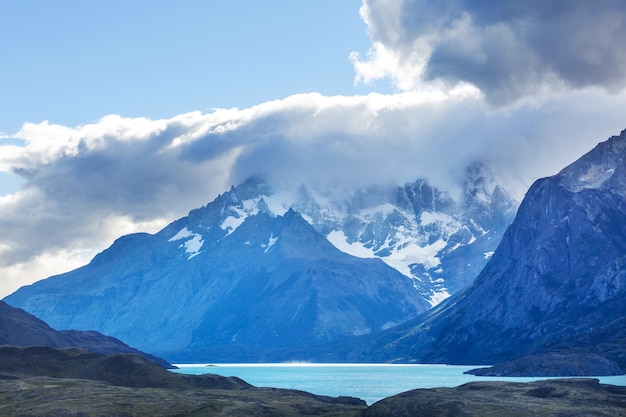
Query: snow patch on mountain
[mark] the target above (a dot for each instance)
(192, 245)
(438, 296)
(270, 243)
(340, 241)
(238, 215)
(231, 223)
(182, 234)
(405, 253)
(411, 253)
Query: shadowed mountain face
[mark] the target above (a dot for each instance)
(557, 281)
(18, 328)
(251, 293)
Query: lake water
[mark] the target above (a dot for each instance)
(366, 381)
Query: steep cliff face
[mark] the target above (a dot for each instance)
(560, 271)
(556, 281)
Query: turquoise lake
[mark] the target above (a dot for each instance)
(366, 381)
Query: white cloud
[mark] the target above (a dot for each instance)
(403, 66)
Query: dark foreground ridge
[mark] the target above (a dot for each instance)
(557, 397)
(42, 381)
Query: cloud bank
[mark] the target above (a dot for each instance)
(513, 84)
(86, 185)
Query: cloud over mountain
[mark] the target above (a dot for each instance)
(86, 185)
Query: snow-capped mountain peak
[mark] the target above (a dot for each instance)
(419, 230)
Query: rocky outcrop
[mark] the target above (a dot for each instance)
(567, 397)
(559, 272)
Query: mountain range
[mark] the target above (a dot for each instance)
(257, 274)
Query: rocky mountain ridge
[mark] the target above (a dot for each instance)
(440, 242)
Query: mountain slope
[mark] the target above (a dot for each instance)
(557, 281)
(198, 291)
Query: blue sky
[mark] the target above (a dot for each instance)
(121, 116)
(72, 62)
